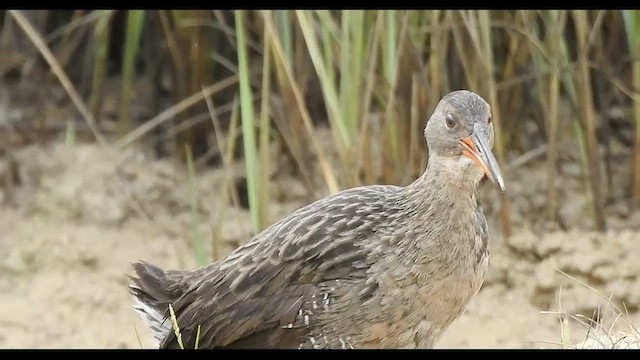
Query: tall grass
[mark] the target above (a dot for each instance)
(337, 55)
(102, 36)
(135, 19)
(372, 77)
(555, 21)
(200, 251)
(248, 128)
(295, 93)
(632, 28)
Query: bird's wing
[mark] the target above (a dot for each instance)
(258, 295)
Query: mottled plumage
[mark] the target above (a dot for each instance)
(369, 267)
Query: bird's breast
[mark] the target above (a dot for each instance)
(423, 296)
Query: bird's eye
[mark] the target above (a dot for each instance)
(449, 121)
(490, 120)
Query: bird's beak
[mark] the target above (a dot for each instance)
(477, 148)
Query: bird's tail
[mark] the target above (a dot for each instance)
(150, 291)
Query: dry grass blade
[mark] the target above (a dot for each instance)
(226, 189)
(588, 117)
(286, 114)
(463, 45)
(60, 74)
(597, 336)
(135, 330)
(405, 101)
(174, 52)
(171, 112)
(175, 326)
(283, 66)
(71, 40)
(197, 345)
(436, 61)
(101, 39)
(339, 48)
(74, 24)
(555, 24)
(328, 84)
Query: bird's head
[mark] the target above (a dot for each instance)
(460, 132)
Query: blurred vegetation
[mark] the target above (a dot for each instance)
(192, 81)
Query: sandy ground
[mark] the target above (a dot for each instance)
(70, 230)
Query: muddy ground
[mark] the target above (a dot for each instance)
(70, 224)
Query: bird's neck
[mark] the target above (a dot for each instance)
(442, 202)
(446, 183)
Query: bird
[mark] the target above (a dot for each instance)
(370, 267)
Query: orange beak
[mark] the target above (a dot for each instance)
(477, 148)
